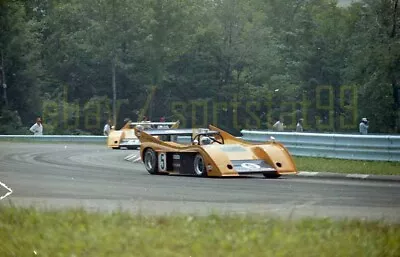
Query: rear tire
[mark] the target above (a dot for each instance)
(150, 161)
(199, 166)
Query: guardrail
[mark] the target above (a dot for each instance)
(68, 138)
(57, 138)
(341, 146)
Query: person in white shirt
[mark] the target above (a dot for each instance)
(37, 128)
(363, 126)
(107, 128)
(146, 120)
(162, 119)
(278, 126)
(299, 126)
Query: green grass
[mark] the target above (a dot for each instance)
(347, 166)
(24, 231)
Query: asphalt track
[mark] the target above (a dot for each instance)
(97, 178)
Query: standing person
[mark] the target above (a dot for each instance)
(162, 119)
(278, 126)
(299, 126)
(107, 128)
(146, 120)
(37, 128)
(363, 127)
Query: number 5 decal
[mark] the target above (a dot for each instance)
(162, 162)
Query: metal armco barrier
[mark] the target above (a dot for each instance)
(57, 138)
(341, 146)
(68, 138)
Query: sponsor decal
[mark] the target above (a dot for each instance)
(162, 162)
(251, 166)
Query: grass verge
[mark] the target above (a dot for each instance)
(75, 232)
(347, 166)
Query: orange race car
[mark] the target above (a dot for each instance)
(126, 138)
(211, 152)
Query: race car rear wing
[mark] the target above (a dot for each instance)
(180, 132)
(172, 134)
(152, 123)
(149, 125)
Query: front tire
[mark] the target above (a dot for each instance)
(199, 166)
(150, 161)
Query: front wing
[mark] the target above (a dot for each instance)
(251, 166)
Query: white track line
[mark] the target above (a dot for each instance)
(133, 158)
(357, 176)
(6, 187)
(308, 173)
(137, 159)
(130, 157)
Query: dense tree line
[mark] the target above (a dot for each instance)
(234, 63)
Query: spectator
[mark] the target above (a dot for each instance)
(299, 126)
(278, 126)
(162, 126)
(37, 128)
(363, 127)
(146, 120)
(107, 128)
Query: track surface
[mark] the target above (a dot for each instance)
(92, 176)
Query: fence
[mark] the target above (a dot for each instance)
(55, 138)
(342, 146)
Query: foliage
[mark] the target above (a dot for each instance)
(10, 123)
(235, 63)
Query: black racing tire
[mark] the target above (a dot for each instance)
(116, 148)
(150, 161)
(271, 175)
(199, 166)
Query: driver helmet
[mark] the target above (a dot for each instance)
(206, 141)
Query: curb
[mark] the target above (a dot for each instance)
(331, 175)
